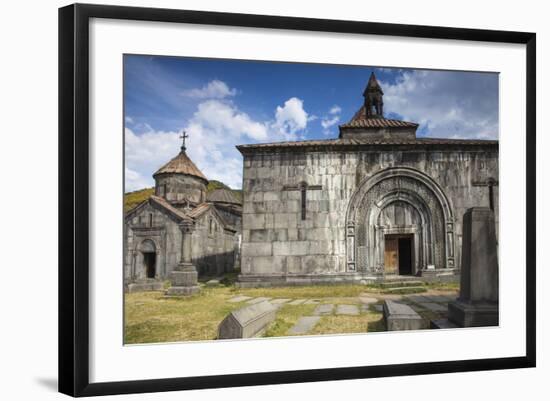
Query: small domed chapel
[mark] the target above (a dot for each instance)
(376, 202)
(180, 205)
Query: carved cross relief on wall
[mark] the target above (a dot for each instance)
(303, 187)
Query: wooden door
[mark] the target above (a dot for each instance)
(391, 255)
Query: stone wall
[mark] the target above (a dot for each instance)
(150, 223)
(175, 187)
(213, 246)
(212, 251)
(278, 243)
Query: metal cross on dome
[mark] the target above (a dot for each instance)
(183, 136)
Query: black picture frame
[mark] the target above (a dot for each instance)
(74, 201)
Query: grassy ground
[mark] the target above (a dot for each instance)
(151, 317)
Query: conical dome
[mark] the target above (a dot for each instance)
(222, 195)
(181, 164)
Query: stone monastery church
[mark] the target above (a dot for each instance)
(155, 229)
(377, 201)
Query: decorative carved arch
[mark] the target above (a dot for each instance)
(365, 239)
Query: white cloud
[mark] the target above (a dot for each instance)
(291, 118)
(215, 89)
(331, 119)
(335, 109)
(129, 120)
(214, 130)
(457, 105)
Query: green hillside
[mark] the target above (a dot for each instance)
(132, 199)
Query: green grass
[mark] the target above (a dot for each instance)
(317, 291)
(151, 317)
(343, 324)
(132, 199)
(287, 316)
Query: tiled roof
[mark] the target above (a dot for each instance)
(203, 208)
(222, 195)
(360, 120)
(181, 164)
(199, 210)
(369, 142)
(179, 214)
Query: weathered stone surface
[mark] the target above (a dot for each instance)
(213, 283)
(304, 324)
(399, 316)
(442, 324)
(440, 298)
(239, 298)
(324, 309)
(433, 306)
(184, 281)
(477, 304)
(146, 286)
(351, 310)
(258, 300)
(297, 302)
(368, 300)
(349, 193)
(249, 321)
(280, 301)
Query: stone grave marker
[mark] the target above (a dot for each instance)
(399, 316)
(250, 321)
(477, 304)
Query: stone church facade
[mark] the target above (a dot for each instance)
(181, 206)
(376, 202)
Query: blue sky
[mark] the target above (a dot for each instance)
(223, 103)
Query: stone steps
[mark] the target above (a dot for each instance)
(400, 284)
(404, 290)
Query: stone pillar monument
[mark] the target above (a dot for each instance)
(184, 276)
(477, 304)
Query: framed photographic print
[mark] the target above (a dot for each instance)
(249, 199)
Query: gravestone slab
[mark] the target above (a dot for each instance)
(280, 301)
(325, 309)
(146, 285)
(239, 298)
(368, 300)
(351, 310)
(249, 321)
(378, 308)
(304, 324)
(297, 302)
(441, 298)
(399, 316)
(312, 301)
(433, 306)
(477, 304)
(258, 300)
(442, 324)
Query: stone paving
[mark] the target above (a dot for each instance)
(365, 303)
(280, 301)
(352, 310)
(257, 300)
(304, 324)
(239, 298)
(324, 309)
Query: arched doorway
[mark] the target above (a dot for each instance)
(149, 254)
(399, 211)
